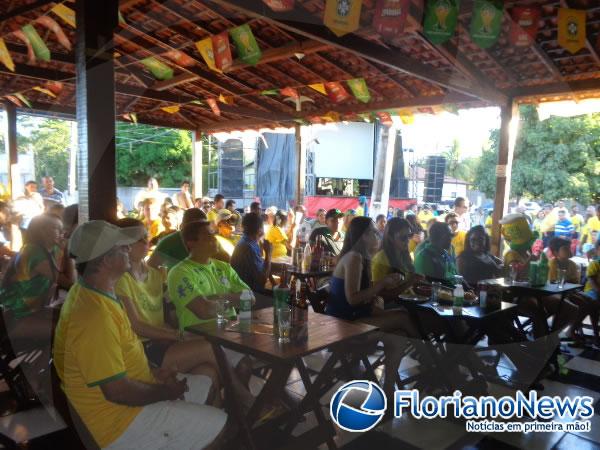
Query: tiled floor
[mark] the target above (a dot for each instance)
(41, 427)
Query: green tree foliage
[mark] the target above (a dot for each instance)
(145, 151)
(50, 140)
(556, 158)
(457, 167)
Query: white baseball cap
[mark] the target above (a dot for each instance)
(97, 237)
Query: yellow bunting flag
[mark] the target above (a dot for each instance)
(406, 116)
(133, 117)
(319, 87)
(171, 109)
(571, 29)
(23, 99)
(227, 100)
(342, 16)
(5, 57)
(65, 13)
(205, 48)
(48, 92)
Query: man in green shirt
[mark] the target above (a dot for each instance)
(433, 258)
(199, 278)
(171, 249)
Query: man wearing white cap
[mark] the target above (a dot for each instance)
(101, 362)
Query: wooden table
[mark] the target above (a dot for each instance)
(526, 288)
(318, 333)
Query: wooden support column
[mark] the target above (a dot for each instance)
(10, 128)
(95, 98)
(300, 166)
(196, 164)
(509, 115)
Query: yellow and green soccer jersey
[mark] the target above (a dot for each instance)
(593, 273)
(189, 280)
(146, 295)
(94, 344)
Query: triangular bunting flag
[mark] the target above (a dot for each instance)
(271, 92)
(441, 17)
(30, 53)
(121, 19)
(65, 13)
(390, 17)
(133, 117)
(247, 47)
(55, 86)
(385, 118)
(171, 109)
(48, 92)
(53, 26)
(280, 5)
(213, 106)
(179, 58)
(336, 92)
(486, 22)
(222, 51)
(197, 102)
(342, 16)
(406, 116)
(205, 48)
(331, 116)
(571, 29)
(359, 88)
(159, 69)
(524, 25)
(319, 87)
(227, 100)
(24, 99)
(14, 100)
(39, 47)
(5, 57)
(289, 92)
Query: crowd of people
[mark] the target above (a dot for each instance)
(119, 344)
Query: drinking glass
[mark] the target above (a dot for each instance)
(562, 278)
(221, 307)
(513, 273)
(284, 324)
(436, 286)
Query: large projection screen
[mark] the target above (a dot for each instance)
(344, 150)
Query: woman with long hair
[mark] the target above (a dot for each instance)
(353, 296)
(394, 256)
(476, 262)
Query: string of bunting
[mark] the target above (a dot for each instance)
(441, 20)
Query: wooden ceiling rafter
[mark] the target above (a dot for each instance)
(206, 75)
(24, 9)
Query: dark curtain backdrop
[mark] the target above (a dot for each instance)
(276, 170)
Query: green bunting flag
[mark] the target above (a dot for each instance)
(486, 22)
(359, 88)
(39, 47)
(441, 17)
(272, 92)
(248, 50)
(159, 69)
(23, 99)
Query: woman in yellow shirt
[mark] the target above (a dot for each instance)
(141, 290)
(458, 236)
(277, 237)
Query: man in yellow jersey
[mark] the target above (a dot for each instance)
(101, 361)
(424, 216)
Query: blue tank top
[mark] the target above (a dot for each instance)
(338, 305)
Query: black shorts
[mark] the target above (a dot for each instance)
(155, 351)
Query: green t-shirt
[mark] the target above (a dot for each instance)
(435, 263)
(172, 250)
(189, 280)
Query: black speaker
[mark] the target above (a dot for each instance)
(231, 169)
(434, 179)
(399, 182)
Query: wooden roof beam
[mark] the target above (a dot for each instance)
(306, 25)
(24, 9)
(562, 88)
